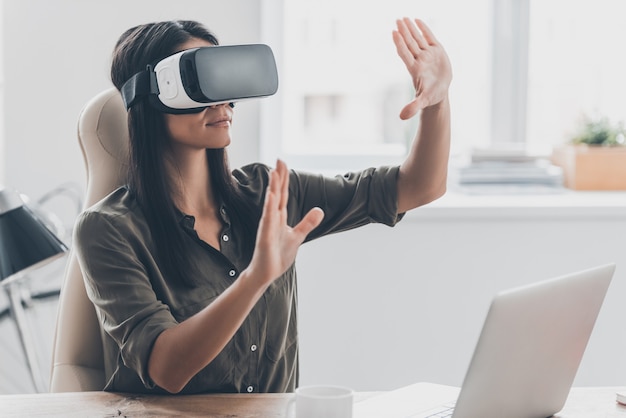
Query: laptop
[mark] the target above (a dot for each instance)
(526, 358)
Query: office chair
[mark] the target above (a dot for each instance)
(77, 357)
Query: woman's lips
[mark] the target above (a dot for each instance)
(221, 123)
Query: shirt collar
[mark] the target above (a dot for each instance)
(188, 221)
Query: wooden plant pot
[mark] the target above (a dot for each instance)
(588, 167)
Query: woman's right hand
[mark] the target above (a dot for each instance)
(427, 62)
(277, 243)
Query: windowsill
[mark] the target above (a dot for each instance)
(563, 204)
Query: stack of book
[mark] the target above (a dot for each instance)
(508, 170)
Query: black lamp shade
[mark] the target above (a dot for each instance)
(25, 241)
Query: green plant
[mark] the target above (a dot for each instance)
(600, 132)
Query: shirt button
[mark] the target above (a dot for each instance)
(232, 273)
(253, 347)
(225, 238)
(250, 389)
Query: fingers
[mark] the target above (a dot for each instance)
(412, 36)
(276, 197)
(281, 167)
(277, 192)
(276, 200)
(310, 221)
(411, 39)
(403, 50)
(410, 110)
(415, 34)
(412, 43)
(270, 205)
(426, 32)
(278, 187)
(274, 187)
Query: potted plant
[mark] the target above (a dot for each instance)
(595, 157)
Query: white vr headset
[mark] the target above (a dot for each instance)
(191, 80)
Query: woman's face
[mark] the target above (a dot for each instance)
(209, 128)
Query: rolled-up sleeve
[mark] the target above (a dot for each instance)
(117, 283)
(349, 201)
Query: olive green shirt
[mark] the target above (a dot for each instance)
(135, 302)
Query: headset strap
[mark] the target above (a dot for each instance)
(139, 86)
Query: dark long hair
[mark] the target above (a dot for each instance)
(149, 142)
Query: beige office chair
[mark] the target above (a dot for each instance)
(77, 357)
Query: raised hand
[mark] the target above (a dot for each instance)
(427, 62)
(277, 243)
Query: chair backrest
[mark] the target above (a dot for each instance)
(77, 357)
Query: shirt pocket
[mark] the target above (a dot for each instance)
(190, 302)
(282, 324)
(217, 376)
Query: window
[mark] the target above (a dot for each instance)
(576, 67)
(343, 85)
(524, 72)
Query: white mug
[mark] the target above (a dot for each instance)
(323, 402)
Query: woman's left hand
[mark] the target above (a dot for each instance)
(277, 243)
(427, 62)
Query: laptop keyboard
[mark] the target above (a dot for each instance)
(444, 411)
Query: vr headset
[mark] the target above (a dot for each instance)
(191, 80)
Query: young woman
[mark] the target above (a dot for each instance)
(191, 266)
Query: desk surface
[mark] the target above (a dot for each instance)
(582, 403)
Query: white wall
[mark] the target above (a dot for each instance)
(384, 307)
(57, 56)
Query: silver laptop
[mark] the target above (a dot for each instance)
(526, 358)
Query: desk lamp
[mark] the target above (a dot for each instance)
(25, 244)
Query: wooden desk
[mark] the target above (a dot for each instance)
(582, 403)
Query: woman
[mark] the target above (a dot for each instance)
(191, 267)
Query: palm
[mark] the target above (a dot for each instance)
(426, 61)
